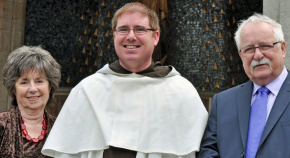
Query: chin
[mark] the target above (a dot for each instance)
(262, 76)
(131, 58)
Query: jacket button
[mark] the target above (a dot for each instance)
(243, 154)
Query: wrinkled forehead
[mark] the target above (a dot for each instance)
(257, 27)
(257, 32)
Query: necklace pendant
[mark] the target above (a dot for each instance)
(41, 137)
(28, 137)
(23, 126)
(25, 133)
(43, 132)
(35, 140)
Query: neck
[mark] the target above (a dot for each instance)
(135, 67)
(31, 116)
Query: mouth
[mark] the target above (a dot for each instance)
(131, 47)
(252, 68)
(260, 65)
(33, 98)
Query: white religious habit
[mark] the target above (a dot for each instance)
(158, 117)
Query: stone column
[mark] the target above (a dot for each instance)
(12, 22)
(279, 11)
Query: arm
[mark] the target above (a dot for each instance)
(208, 148)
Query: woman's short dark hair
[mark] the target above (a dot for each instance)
(27, 58)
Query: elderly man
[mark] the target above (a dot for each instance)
(132, 108)
(252, 120)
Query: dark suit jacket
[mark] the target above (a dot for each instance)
(227, 128)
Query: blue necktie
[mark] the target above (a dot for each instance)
(257, 121)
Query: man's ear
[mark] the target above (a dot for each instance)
(114, 34)
(240, 53)
(283, 47)
(156, 37)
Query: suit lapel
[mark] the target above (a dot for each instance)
(280, 104)
(244, 97)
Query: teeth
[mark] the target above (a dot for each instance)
(32, 98)
(131, 47)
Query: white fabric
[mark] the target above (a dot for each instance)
(153, 116)
(159, 155)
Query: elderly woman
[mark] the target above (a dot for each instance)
(31, 76)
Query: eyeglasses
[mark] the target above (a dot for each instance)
(264, 48)
(137, 30)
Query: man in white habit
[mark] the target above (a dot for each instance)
(132, 108)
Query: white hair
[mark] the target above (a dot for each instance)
(258, 18)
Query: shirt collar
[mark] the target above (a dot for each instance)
(275, 85)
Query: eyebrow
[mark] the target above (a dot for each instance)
(26, 78)
(252, 45)
(122, 26)
(133, 26)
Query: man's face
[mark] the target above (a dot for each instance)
(261, 67)
(135, 50)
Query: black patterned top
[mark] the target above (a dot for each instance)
(12, 143)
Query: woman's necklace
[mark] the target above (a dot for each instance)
(42, 134)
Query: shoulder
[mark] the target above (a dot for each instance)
(88, 82)
(4, 117)
(93, 78)
(179, 81)
(51, 119)
(234, 90)
(4, 122)
(9, 116)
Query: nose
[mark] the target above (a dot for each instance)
(131, 35)
(258, 55)
(32, 87)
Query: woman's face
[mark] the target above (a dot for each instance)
(32, 90)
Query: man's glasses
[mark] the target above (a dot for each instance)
(137, 30)
(264, 48)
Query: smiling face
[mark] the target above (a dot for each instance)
(271, 63)
(32, 91)
(135, 51)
